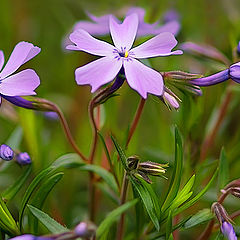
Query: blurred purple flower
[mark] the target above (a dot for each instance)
(140, 77)
(238, 47)
(171, 15)
(23, 158)
(6, 153)
(100, 25)
(30, 237)
(51, 115)
(24, 82)
(228, 231)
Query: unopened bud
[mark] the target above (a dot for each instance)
(132, 162)
(23, 158)
(228, 231)
(6, 153)
(152, 168)
(85, 229)
(234, 72)
(220, 213)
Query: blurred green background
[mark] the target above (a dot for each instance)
(46, 23)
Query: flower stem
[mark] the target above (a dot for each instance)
(136, 120)
(122, 201)
(209, 140)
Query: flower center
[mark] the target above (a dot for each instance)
(124, 54)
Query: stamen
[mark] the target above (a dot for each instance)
(126, 54)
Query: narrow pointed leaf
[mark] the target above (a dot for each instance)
(223, 176)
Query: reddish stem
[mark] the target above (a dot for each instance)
(136, 120)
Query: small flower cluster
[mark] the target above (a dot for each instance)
(7, 154)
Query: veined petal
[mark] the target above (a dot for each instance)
(99, 72)
(22, 53)
(123, 35)
(142, 78)
(1, 59)
(99, 29)
(161, 45)
(85, 42)
(20, 84)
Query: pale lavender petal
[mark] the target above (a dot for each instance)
(172, 27)
(161, 45)
(171, 100)
(85, 42)
(101, 19)
(97, 29)
(142, 78)
(22, 53)
(1, 59)
(139, 11)
(98, 73)
(123, 35)
(20, 84)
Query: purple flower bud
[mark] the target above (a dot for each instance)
(170, 100)
(234, 72)
(19, 101)
(238, 47)
(23, 158)
(228, 231)
(6, 153)
(30, 237)
(212, 79)
(51, 115)
(85, 230)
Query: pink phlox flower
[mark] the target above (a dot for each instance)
(140, 77)
(99, 26)
(21, 83)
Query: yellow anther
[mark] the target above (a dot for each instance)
(126, 54)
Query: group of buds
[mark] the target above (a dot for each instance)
(7, 154)
(225, 221)
(145, 169)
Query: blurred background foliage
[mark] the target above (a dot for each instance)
(46, 23)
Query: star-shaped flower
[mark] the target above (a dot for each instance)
(140, 77)
(24, 82)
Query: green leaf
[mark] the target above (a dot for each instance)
(198, 196)
(52, 225)
(169, 225)
(177, 172)
(223, 176)
(147, 198)
(33, 185)
(9, 193)
(107, 176)
(7, 223)
(70, 160)
(121, 153)
(202, 216)
(112, 217)
(42, 193)
(15, 138)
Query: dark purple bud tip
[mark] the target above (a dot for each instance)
(228, 231)
(23, 158)
(234, 72)
(6, 153)
(238, 48)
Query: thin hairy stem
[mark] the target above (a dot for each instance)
(135, 120)
(120, 230)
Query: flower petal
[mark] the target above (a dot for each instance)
(20, 84)
(98, 29)
(172, 27)
(1, 59)
(85, 42)
(22, 53)
(98, 73)
(142, 78)
(139, 11)
(123, 35)
(161, 45)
